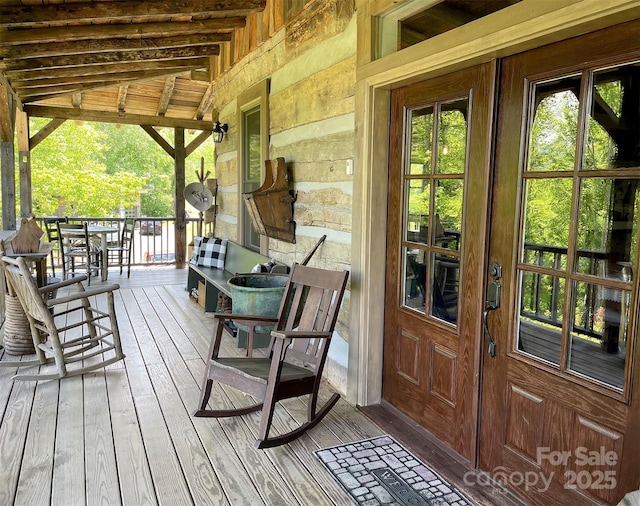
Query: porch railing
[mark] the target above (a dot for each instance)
(542, 299)
(153, 240)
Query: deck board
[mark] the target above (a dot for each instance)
(125, 434)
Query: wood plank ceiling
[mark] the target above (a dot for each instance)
(143, 62)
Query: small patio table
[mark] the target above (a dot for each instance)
(101, 231)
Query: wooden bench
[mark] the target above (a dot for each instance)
(238, 260)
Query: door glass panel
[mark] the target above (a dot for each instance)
(547, 218)
(566, 239)
(446, 280)
(599, 335)
(607, 231)
(433, 208)
(415, 279)
(452, 137)
(417, 219)
(540, 322)
(421, 141)
(448, 217)
(554, 130)
(612, 124)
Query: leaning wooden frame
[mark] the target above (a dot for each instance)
(297, 353)
(64, 329)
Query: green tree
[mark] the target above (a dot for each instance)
(68, 168)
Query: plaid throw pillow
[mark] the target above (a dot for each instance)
(197, 241)
(212, 252)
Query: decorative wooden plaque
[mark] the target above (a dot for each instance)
(271, 206)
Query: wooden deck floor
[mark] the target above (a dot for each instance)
(126, 436)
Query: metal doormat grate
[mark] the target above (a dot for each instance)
(380, 471)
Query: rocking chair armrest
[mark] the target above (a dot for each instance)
(82, 294)
(296, 334)
(246, 317)
(61, 284)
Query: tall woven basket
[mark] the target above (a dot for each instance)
(17, 332)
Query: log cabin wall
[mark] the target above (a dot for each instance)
(310, 65)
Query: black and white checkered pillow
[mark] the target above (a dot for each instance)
(197, 241)
(212, 252)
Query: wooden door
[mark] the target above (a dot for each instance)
(437, 216)
(560, 421)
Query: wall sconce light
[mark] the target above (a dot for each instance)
(219, 131)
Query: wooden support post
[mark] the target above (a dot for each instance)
(180, 177)
(24, 163)
(7, 158)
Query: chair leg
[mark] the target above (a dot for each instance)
(205, 393)
(266, 442)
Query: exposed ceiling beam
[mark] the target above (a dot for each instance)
(122, 31)
(167, 91)
(61, 14)
(108, 117)
(205, 103)
(89, 70)
(122, 99)
(76, 100)
(34, 84)
(31, 95)
(46, 50)
(154, 55)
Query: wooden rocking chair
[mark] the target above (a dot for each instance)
(297, 353)
(87, 334)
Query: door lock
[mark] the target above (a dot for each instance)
(494, 295)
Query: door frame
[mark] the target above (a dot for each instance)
(515, 31)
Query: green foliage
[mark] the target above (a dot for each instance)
(94, 169)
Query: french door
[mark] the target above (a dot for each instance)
(437, 216)
(511, 307)
(559, 423)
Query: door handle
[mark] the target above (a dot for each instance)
(494, 295)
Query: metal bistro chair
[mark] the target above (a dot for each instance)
(296, 357)
(78, 250)
(66, 329)
(122, 252)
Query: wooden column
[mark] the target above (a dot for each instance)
(24, 163)
(7, 158)
(181, 228)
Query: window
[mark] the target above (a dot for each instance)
(253, 120)
(420, 20)
(251, 170)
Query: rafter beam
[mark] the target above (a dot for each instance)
(34, 94)
(113, 117)
(205, 103)
(46, 50)
(61, 14)
(123, 31)
(167, 92)
(26, 76)
(156, 55)
(122, 99)
(104, 77)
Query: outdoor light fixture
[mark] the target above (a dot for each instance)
(219, 131)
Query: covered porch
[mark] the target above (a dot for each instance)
(125, 435)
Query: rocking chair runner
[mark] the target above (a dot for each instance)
(88, 334)
(302, 334)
